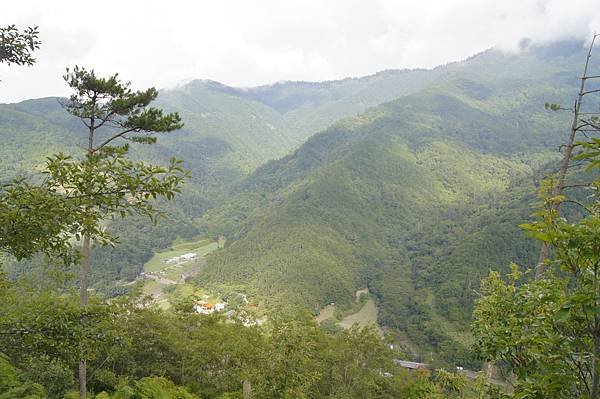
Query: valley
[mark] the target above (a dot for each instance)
(165, 276)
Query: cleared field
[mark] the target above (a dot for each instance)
(326, 313)
(172, 276)
(200, 247)
(367, 315)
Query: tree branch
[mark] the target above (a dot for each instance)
(116, 136)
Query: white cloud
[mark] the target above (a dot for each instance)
(247, 43)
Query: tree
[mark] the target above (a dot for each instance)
(11, 387)
(33, 218)
(16, 47)
(290, 364)
(582, 124)
(547, 331)
(104, 182)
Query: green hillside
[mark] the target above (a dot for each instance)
(227, 134)
(415, 199)
(308, 107)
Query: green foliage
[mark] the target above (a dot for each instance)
(109, 102)
(452, 385)
(552, 106)
(590, 150)
(16, 47)
(11, 385)
(33, 219)
(152, 388)
(414, 199)
(363, 208)
(547, 331)
(330, 326)
(108, 183)
(103, 183)
(77, 195)
(292, 357)
(228, 134)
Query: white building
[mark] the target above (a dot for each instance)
(220, 306)
(181, 259)
(204, 307)
(188, 256)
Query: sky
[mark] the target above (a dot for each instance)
(252, 42)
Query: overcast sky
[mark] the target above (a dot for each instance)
(246, 42)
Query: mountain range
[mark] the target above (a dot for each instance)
(408, 182)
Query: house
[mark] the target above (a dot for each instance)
(188, 256)
(204, 307)
(220, 306)
(411, 365)
(180, 259)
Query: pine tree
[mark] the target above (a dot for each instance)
(104, 182)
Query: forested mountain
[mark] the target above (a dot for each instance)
(415, 199)
(228, 132)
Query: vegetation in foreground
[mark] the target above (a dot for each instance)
(137, 350)
(543, 330)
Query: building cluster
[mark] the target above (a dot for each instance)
(181, 259)
(204, 307)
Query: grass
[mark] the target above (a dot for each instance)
(363, 313)
(201, 247)
(326, 313)
(367, 315)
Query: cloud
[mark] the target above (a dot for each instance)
(243, 43)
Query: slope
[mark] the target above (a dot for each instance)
(415, 199)
(228, 133)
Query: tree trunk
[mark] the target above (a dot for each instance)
(595, 371)
(83, 304)
(562, 174)
(247, 390)
(596, 333)
(558, 189)
(82, 379)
